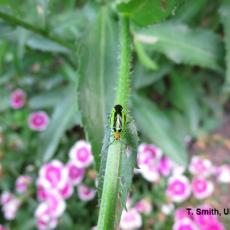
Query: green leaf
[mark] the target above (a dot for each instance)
(128, 161)
(155, 126)
(98, 75)
(60, 120)
(225, 18)
(144, 58)
(184, 45)
(144, 78)
(147, 12)
(43, 44)
(47, 99)
(184, 97)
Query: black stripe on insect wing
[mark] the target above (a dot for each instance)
(118, 108)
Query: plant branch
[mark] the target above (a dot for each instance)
(110, 208)
(18, 22)
(125, 59)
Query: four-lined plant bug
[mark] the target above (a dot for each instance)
(118, 121)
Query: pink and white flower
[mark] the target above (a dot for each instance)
(178, 188)
(45, 219)
(165, 166)
(215, 225)
(200, 166)
(202, 188)
(75, 174)
(6, 197)
(17, 99)
(223, 174)
(38, 121)
(85, 193)
(182, 213)
(177, 169)
(81, 154)
(147, 154)
(55, 204)
(150, 172)
(22, 183)
(185, 224)
(53, 175)
(203, 220)
(130, 220)
(2, 227)
(41, 191)
(67, 190)
(10, 208)
(144, 206)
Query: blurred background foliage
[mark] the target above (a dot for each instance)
(64, 54)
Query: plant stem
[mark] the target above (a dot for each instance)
(107, 215)
(110, 209)
(124, 71)
(18, 22)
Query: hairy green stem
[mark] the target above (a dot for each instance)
(110, 208)
(107, 215)
(18, 22)
(123, 89)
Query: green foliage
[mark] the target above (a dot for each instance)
(147, 12)
(157, 128)
(98, 76)
(65, 55)
(225, 18)
(184, 45)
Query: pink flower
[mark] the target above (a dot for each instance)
(75, 174)
(45, 219)
(55, 204)
(6, 197)
(202, 188)
(85, 193)
(53, 175)
(182, 213)
(81, 154)
(17, 99)
(203, 220)
(223, 173)
(177, 169)
(2, 227)
(10, 208)
(147, 153)
(178, 188)
(130, 220)
(144, 206)
(22, 183)
(185, 224)
(150, 172)
(214, 226)
(66, 191)
(38, 121)
(200, 166)
(165, 166)
(41, 191)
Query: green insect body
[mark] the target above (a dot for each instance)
(118, 121)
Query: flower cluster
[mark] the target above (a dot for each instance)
(132, 219)
(56, 183)
(10, 205)
(184, 220)
(194, 182)
(37, 121)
